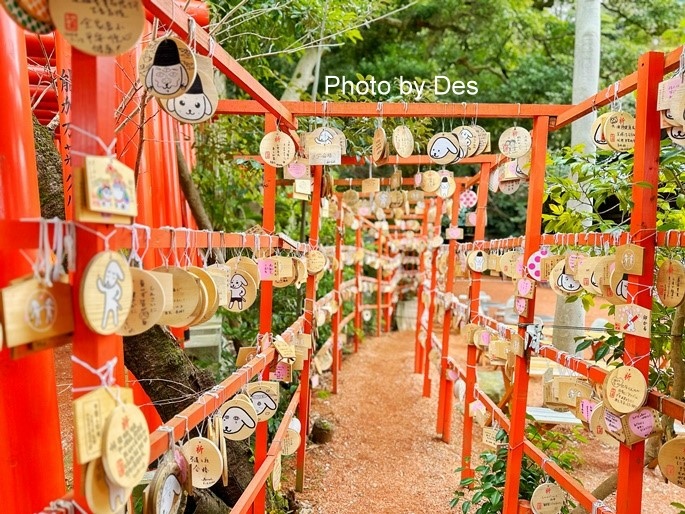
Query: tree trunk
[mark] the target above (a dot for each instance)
(303, 76)
(49, 164)
(585, 84)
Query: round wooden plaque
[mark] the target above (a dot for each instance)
(597, 129)
(382, 199)
(187, 298)
(477, 260)
(447, 187)
(247, 265)
(125, 445)
(350, 197)
(103, 496)
(670, 283)
(277, 149)
(238, 418)
(444, 148)
(212, 293)
(291, 441)
(598, 427)
(403, 141)
(300, 271)
(509, 187)
(167, 67)
(561, 282)
(342, 139)
(147, 304)
(619, 130)
(483, 138)
(106, 293)
(430, 181)
(512, 264)
(677, 135)
(264, 396)
(548, 498)
(515, 142)
(167, 489)
(99, 28)
(468, 139)
(619, 287)
(493, 180)
(379, 142)
(672, 460)
(206, 461)
(625, 390)
(242, 290)
(316, 261)
(198, 104)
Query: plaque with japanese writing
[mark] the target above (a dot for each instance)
(125, 446)
(672, 460)
(515, 142)
(625, 389)
(548, 498)
(206, 461)
(277, 149)
(167, 67)
(99, 28)
(619, 130)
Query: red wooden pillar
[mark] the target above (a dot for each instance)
(474, 309)
(156, 164)
(532, 244)
(431, 305)
(418, 348)
(265, 309)
(305, 395)
(379, 285)
(358, 295)
(444, 416)
(337, 280)
(388, 295)
(93, 104)
(63, 70)
(650, 72)
(32, 473)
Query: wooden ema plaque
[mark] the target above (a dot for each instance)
(379, 143)
(468, 139)
(619, 130)
(170, 485)
(597, 129)
(110, 187)
(242, 291)
(444, 148)
(512, 264)
(672, 460)
(99, 28)
(483, 139)
(200, 101)
(625, 390)
(562, 282)
(477, 261)
(548, 498)
(371, 185)
(206, 461)
(264, 396)
(515, 142)
(106, 293)
(276, 473)
(31, 311)
(147, 303)
(670, 283)
(509, 187)
(238, 418)
(102, 495)
(167, 67)
(125, 446)
(629, 259)
(81, 211)
(525, 288)
(277, 149)
(187, 296)
(633, 319)
(291, 441)
(598, 426)
(212, 291)
(90, 415)
(245, 264)
(316, 261)
(323, 147)
(403, 141)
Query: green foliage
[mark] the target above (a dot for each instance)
(485, 490)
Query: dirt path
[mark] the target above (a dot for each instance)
(385, 456)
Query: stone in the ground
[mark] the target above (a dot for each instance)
(322, 432)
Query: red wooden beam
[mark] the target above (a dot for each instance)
(177, 21)
(396, 110)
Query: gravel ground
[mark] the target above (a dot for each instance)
(385, 456)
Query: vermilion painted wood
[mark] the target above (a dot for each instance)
(265, 309)
(63, 70)
(650, 72)
(444, 416)
(431, 306)
(626, 85)
(310, 298)
(33, 472)
(379, 284)
(388, 301)
(474, 310)
(93, 101)
(392, 110)
(337, 280)
(358, 295)
(532, 244)
(177, 21)
(418, 348)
